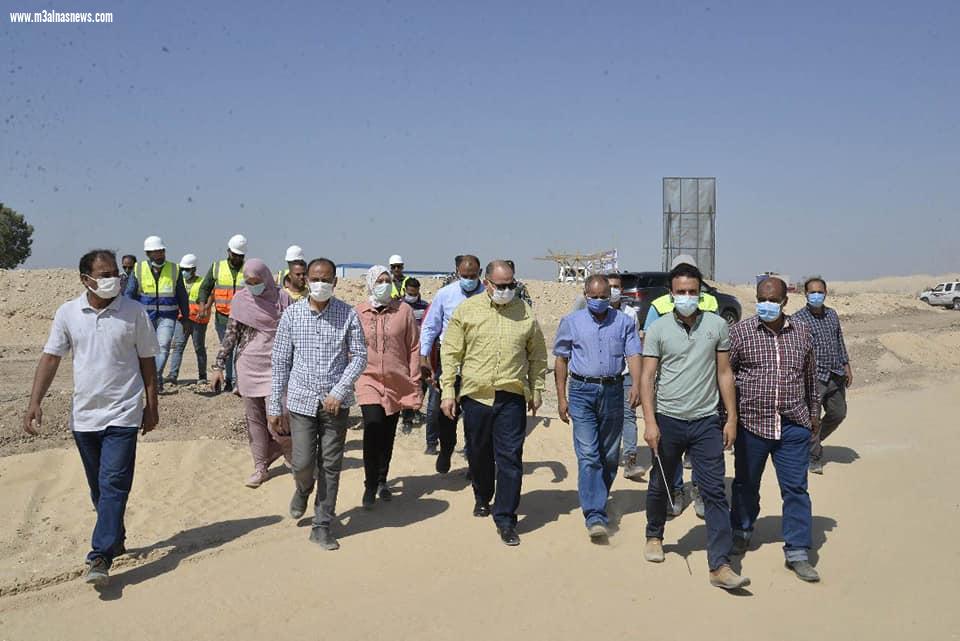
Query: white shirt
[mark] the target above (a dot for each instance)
(107, 347)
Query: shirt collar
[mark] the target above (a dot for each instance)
(113, 306)
(787, 325)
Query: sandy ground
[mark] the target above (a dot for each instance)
(211, 559)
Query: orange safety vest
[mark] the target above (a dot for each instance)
(225, 286)
(194, 292)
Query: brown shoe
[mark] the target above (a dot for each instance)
(724, 577)
(653, 551)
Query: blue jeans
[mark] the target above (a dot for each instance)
(165, 328)
(108, 460)
(791, 458)
(597, 414)
(221, 322)
(629, 419)
(703, 438)
(495, 436)
(198, 333)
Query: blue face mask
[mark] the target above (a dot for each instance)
(469, 284)
(816, 299)
(768, 311)
(686, 305)
(598, 306)
(256, 290)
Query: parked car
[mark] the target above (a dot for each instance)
(642, 288)
(945, 295)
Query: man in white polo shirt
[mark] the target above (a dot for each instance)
(114, 346)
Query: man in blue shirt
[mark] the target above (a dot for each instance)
(431, 332)
(591, 345)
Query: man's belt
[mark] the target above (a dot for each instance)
(598, 380)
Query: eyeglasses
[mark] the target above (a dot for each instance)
(503, 286)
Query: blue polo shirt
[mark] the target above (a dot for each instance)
(596, 347)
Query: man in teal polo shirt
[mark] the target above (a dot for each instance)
(686, 370)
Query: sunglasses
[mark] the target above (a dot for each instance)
(504, 286)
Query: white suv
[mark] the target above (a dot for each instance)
(943, 295)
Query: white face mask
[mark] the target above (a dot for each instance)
(321, 292)
(502, 296)
(410, 299)
(615, 295)
(381, 293)
(107, 288)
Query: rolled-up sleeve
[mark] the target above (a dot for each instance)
(563, 342)
(357, 347)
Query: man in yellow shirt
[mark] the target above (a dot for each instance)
(498, 348)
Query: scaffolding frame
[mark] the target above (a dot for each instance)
(578, 267)
(689, 221)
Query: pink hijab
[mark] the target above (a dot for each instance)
(260, 312)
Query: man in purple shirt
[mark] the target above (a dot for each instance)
(591, 345)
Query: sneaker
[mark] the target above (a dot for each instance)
(697, 502)
(384, 492)
(170, 380)
(687, 465)
(597, 532)
(406, 427)
(816, 466)
(804, 571)
(509, 535)
(481, 510)
(740, 546)
(443, 462)
(369, 498)
(298, 504)
(431, 450)
(631, 470)
(322, 537)
(258, 478)
(724, 577)
(679, 504)
(653, 550)
(98, 573)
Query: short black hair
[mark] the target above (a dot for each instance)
(325, 261)
(413, 282)
(300, 262)
(467, 257)
(130, 256)
(814, 279)
(684, 270)
(88, 259)
(512, 266)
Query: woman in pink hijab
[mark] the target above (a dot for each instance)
(391, 381)
(254, 315)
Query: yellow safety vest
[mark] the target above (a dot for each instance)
(402, 290)
(664, 304)
(225, 286)
(194, 292)
(281, 275)
(159, 294)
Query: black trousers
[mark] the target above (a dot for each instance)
(379, 433)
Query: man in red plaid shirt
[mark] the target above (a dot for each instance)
(778, 403)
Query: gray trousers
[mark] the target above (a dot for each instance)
(318, 446)
(833, 397)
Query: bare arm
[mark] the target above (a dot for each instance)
(560, 369)
(42, 379)
(151, 413)
(648, 377)
(728, 394)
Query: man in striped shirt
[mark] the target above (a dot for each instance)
(778, 404)
(319, 353)
(834, 374)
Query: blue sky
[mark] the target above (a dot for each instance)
(362, 129)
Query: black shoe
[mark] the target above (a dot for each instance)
(443, 462)
(431, 450)
(228, 387)
(740, 546)
(369, 498)
(509, 535)
(98, 573)
(298, 504)
(406, 427)
(322, 537)
(804, 571)
(481, 509)
(384, 492)
(468, 475)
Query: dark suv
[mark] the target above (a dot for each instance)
(642, 288)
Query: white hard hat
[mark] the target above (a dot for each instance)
(238, 244)
(683, 259)
(396, 259)
(189, 261)
(152, 244)
(294, 252)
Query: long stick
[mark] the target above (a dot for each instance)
(665, 486)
